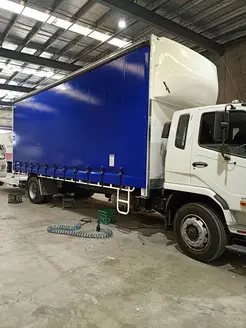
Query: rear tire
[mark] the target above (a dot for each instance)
(34, 191)
(200, 232)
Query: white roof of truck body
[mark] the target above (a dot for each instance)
(180, 76)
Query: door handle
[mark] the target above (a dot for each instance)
(199, 164)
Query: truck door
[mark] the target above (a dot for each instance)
(208, 167)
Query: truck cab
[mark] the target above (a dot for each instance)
(205, 179)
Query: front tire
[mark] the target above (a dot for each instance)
(200, 232)
(34, 191)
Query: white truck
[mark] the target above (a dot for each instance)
(6, 150)
(6, 147)
(142, 126)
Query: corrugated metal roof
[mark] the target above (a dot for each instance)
(94, 13)
(68, 31)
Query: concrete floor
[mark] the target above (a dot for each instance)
(132, 280)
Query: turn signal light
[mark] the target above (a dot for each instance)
(243, 202)
(241, 231)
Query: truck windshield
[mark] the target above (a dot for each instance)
(236, 141)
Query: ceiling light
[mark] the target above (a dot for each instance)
(46, 55)
(99, 36)
(11, 6)
(59, 22)
(44, 74)
(9, 45)
(14, 93)
(29, 51)
(63, 58)
(3, 93)
(6, 72)
(13, 83)
(29, 71)
(58, 77)
(122, 23)
(35, 14)
(118, 42)
(13, 68)
(80, 29)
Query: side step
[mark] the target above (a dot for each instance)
(236, 248)
(123, 201)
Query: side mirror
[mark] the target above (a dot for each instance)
(221, 126)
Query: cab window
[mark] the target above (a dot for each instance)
(182, 129)
(236, 141)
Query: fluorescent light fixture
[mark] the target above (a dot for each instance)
(122, 23)
(8, 98)
(33, 66)
(35, 14)
(2, 81)
(63, 58)
(9, 45)
(58, 77)
(118, 42)
(13, 94)
(11, 6)
(80, 29)
(29, 71)
(99, 36)
(28, 85)
(44, 74)
(10, 68)
(46, 55)
(59, 22)
(6, 72)
(3, 93)
(13, 68)
(29, 51)
(13, 83)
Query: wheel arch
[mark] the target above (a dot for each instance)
(179, 198)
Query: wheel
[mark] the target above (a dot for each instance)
(81, 193)
(200, 232)
(34, 191)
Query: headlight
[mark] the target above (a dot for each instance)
(2, 156)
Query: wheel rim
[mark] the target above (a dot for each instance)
(32, 190)
(194, 232)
